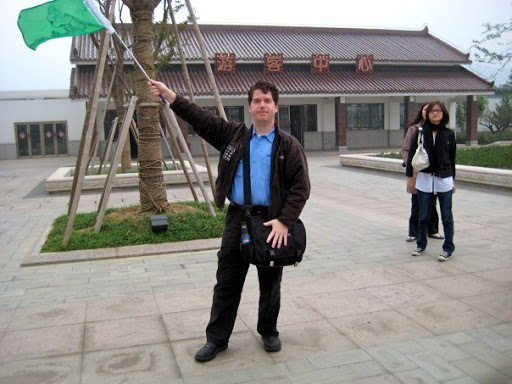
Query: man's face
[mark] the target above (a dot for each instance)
(262, 107)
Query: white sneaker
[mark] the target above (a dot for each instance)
(418, 252)
(444, 256)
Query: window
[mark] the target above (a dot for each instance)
(232, 114)
(297, 119)
(309, 116)
(41, 139)
(365, 116)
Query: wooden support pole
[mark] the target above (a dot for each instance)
(115, 163)
(92, 109)
(166, 143)
(110, 140)
(94, 152)
(180, 157)
(186, 75)
(206, 60)
(171, 119)
(134, 131)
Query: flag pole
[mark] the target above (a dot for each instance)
(132, 55)
(135, 61)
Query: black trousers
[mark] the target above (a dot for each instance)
(231, 274)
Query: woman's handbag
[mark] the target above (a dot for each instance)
(253, 245)
(420, 159)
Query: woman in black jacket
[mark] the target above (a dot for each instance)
(433, 225)
(438, 178)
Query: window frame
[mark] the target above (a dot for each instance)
(58, 142)
(359, 126)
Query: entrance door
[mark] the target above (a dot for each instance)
(296, 122)
(41, 139)
(35, 140)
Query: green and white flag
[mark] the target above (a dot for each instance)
(60, 18)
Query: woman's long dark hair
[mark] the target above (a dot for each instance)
(419, 116)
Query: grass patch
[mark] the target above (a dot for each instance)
(489, 156)
(127, 226)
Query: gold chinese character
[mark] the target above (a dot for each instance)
(273, 62)
(364, 64)
(319, 63)
(225, 62)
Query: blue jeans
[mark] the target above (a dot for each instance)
(433, 225)
(445, 206)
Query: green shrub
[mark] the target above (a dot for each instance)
(490, 156)
(486, 137)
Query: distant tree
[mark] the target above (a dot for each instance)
(508, 84)
(460, 118)
(501, 118)
(495, 35)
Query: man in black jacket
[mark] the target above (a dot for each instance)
(280, 187)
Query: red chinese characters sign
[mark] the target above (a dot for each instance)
(273, 62)
(319, 63)
(364, 64)
(224, 63)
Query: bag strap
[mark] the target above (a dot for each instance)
(247, 173)
(420, 136)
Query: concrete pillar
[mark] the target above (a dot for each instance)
(452, 110)
(409, 111)
(471, 120)
(340, 116)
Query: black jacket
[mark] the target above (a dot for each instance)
(289, 187)
(441, 155)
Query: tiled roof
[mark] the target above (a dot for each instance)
(250, 43)
(298, 80)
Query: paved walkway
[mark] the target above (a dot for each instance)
(359, 309)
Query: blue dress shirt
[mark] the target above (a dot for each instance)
(261, 159)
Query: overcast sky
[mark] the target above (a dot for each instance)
(457, 22)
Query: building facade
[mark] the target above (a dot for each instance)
(340, 88)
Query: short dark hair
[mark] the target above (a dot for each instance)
(265, 87)
(446, 116)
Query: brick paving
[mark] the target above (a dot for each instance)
(359, 309)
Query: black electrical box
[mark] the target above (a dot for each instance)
(159, 223)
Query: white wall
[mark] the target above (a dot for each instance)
(39, 106)
(393, 116)
(329, 118)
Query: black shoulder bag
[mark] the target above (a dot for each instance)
(253, 245)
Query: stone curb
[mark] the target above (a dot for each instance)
(477, 175)
(120, 252)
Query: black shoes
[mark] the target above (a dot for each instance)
(209, 351)
(271, 343)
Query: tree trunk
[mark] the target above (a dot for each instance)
(153, 197)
